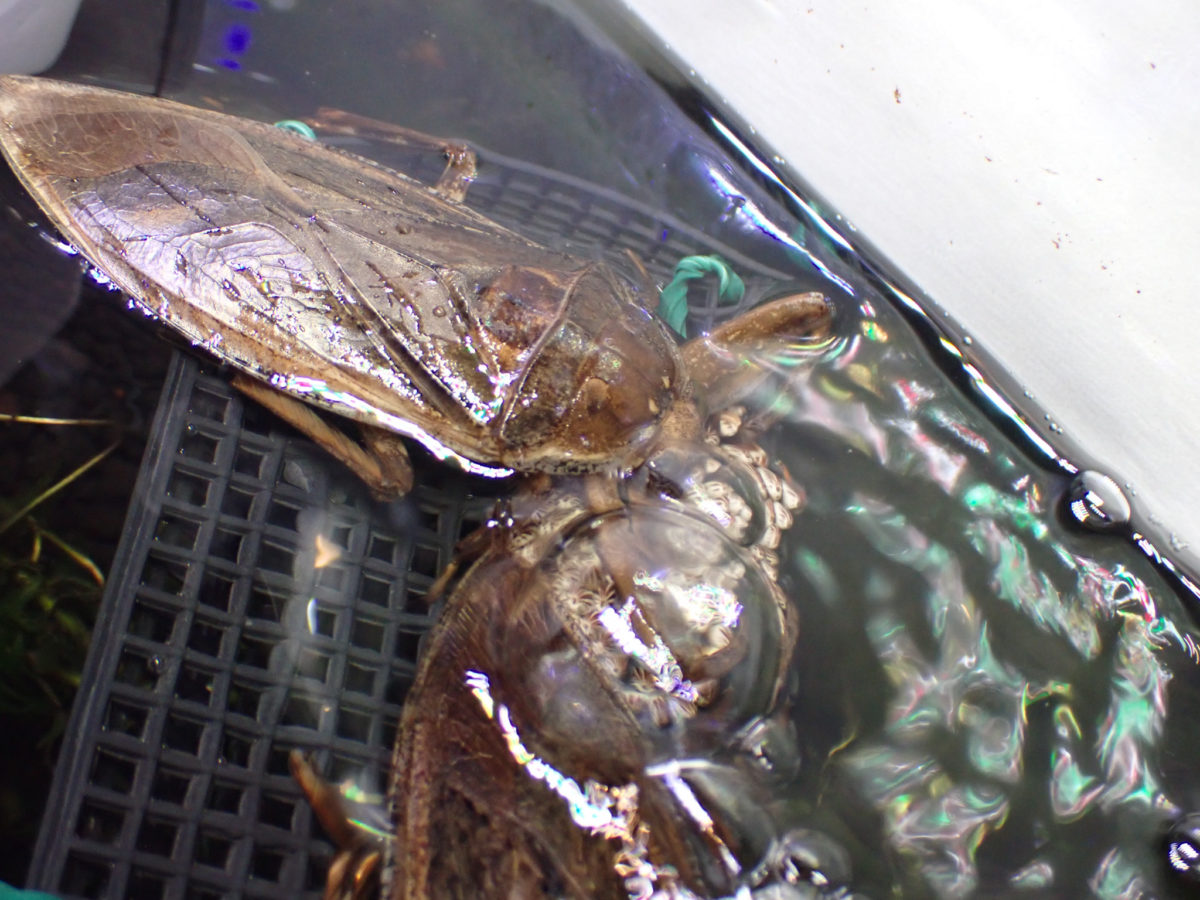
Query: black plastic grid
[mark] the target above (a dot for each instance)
(225, 641)
(261, 601)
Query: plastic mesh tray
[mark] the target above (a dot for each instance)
(261, 601)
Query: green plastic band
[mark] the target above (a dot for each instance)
(672, 302)
(295, 126)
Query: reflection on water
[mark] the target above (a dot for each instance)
(1002, 707)
(992, 691)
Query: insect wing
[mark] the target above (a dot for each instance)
(336, 279)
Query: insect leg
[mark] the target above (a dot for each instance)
(388, 478)
(389, 451)
(460, 159)
(354, 871)
(459, 173)
(741, 357)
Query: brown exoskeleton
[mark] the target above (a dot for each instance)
(572, 710)
(584, 709)
(347, 285)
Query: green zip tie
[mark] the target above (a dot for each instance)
(295, 126)
(672, 302)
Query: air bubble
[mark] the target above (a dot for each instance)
(805, 857)
(1096, 502)
(1183, 848)
(771, 747)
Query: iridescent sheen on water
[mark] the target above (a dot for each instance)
(988, 695)
(987, 700)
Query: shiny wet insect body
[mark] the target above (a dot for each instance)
(340, 283)
(957, 723)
